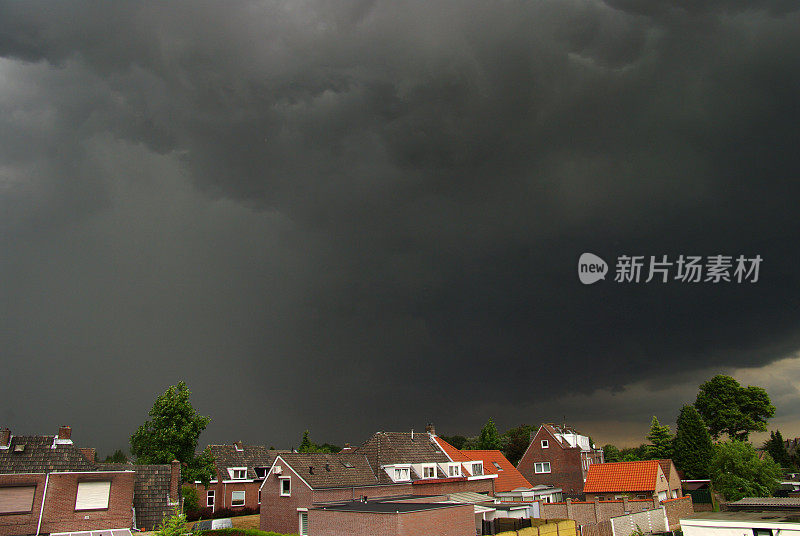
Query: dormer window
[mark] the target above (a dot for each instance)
(238, 473)
(477, 469)
(401, 473)
(454, 469)
(428, 471)
(398, 473)
(261, 472)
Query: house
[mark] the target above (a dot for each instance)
(560, 457)
(389, 467)
(766, 523)
(48, 485)
(635, 480)
(673, 478)
(239, 471)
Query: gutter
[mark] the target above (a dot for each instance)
(41, 511)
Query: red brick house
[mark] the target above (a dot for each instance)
(559, 456)
(240, 470)
(48, 485)
(633, 480)
(300, 490)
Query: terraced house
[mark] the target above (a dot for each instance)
(240, 469)
(48, 485)
(394, 482)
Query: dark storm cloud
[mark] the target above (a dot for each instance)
(381, 205)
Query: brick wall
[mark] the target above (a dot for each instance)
(450, 521)
(222, 494)
(59, 509)
(676, 509)
(591, 513)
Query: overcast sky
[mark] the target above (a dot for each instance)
(359, 216)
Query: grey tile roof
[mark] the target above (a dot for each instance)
(150, 492)
(386, 448)
(331, 470)
(39, 456)
(251, 456)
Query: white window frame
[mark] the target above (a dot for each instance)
(238, 473)
(211, 496)
(300, 516)
(289, 480)
(545, 444)
(243, 498)
(538, 467)
(97, 483)
(454, 470)
(476, 468)
(429, 467)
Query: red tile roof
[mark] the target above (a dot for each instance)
(508, 478)
(622, 476)
(452, 452)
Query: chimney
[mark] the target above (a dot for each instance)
(430, 429)
(88, 453)
(175, 480)
(65, 432)
(5, 438)
(347, 448)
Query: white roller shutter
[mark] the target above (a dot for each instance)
(92, 495)
(16, 499)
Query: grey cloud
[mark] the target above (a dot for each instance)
(371, 202)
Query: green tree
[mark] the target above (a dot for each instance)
(736, 471)
(456, 440)
(117, 457)
(728, 408)
(692, 448)
(306, 446)
(174, 525)
(777, 449)
(172, 434)
(660, 440)
(191, 502)
(489, 438)
(635, 454)
(516, 441)
(611, 453)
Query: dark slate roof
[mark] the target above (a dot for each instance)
(330, 470)
(150, 492)
(251, 456)
(39, 456)
(386, 448)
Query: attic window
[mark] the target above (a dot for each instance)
(310, 469)
(19, 448)
(238, 473)
(328, 467)
(428, 471)
(497, 466)
(454, 469)
(545, 444)
(477, 469)
(348, 465)
(261, 472)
